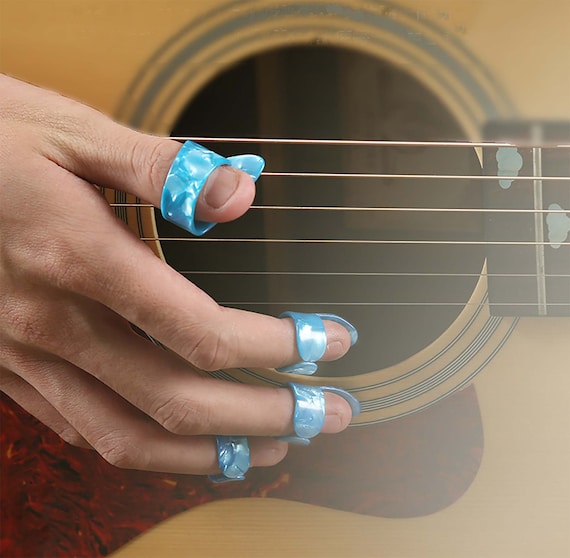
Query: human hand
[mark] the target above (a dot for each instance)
(73, 278)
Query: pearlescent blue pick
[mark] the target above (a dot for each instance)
(311, 339)
(310, 411)
(233, 458)
(309, 415)
(187, 176)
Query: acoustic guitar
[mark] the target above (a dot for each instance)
(418, 184)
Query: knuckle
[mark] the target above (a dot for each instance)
(209, 352)
(179, 415)
(26, 325)
(151, 160)
(122, 451)
(61, 266)
(69, 435)
(48, 325)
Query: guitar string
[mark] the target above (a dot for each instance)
(371, 143)
(363, 274)
(291, 174)
(291, 303)
(339, 142)
(355, 241)
(378, 209)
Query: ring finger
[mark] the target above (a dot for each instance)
(122, 434)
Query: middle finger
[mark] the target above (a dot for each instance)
(179, 397)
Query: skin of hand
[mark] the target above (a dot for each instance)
(73, 278)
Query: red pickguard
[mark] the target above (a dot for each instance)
(58, 500)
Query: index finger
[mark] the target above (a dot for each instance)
(110, 265)
(125, 276)
(181, 316)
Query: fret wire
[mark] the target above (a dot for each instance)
(347, 142)
(365, 274)
(378, 209)
(350, 241)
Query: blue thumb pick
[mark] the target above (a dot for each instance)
(187, 176)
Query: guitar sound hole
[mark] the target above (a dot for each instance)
(402, 296)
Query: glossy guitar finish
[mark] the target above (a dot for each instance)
(517, 505)
(484, 60)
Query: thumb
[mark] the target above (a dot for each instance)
(105, 153)
(147, 161)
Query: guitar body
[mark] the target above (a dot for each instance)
(462, 448)
(517, 505)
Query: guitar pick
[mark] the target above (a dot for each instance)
(186, 178)
(233, 458)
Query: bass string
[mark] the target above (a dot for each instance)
(411, 303)
(330, 275)
(353, 274)
(364, 273)
(368, 274)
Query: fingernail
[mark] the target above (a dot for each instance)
(345, 323)
(355, 406)
(220, 186)
(296, 440)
